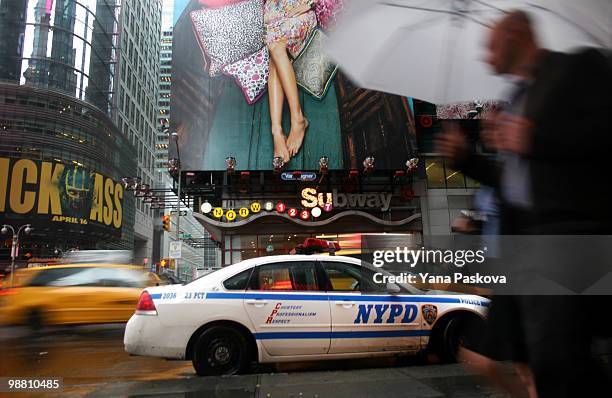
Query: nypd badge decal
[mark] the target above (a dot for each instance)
(430, 313)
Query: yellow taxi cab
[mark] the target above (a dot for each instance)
(74, 294)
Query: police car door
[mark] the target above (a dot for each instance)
(289, 311)
(366, 317)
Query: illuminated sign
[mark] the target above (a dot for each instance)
(293, 212)
(305, 214)
(281, 207)
(269, 206)
(255, 207)
(60, 193)
(206, 207)
(230, 215)
(243, 212)
(311, 198)
(218, 212)
(298, 176)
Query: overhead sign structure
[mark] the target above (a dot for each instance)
(175, 249)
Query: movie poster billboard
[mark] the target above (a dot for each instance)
(59, 197)
(233, 94)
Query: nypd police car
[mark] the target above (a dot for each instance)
(296, 308)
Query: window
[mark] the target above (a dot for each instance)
(299, 276)
(238, 282)
(89, 276)
(342, 277)
(350, 277)
(435, 173)
(57, 276)
(113, 277)
(440, 175)
(454, 178)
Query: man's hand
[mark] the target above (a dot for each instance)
(513, 134)
(452, 143)
(489, 132)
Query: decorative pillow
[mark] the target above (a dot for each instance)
(251, 74)
(217, 3)
(327, 12)
(314, 71)
(229, 33)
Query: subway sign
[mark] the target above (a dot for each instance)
(64, 196)
(369, 200)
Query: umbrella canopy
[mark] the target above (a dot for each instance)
(434, 49)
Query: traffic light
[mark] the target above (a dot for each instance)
(166, 223)
(163, 262)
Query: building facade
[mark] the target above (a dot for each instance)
(136, 110)
(199, 252)
(61, 154)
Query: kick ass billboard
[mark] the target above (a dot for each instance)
(61, 196)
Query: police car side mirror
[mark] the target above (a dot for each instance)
(392, 288)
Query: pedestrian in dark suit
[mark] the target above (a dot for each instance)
(554, 141)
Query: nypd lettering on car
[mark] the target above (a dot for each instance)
(295, 308)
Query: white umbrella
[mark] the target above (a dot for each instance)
(434, 49)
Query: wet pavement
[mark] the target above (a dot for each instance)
(93, 364)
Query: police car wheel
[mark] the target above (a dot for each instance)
(220, 350)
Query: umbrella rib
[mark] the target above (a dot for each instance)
(569, 21)
(490, 6)
(455, 13)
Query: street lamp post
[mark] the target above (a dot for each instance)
(174, 135)
(27, 228)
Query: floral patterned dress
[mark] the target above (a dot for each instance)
(295, 30)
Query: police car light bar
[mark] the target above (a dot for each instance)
(315, 245)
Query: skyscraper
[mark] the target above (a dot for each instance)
(137, 91)
(58, 68)
(198, 251)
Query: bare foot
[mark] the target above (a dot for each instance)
(280, 146)
(296, 136)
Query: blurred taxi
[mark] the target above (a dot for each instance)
(74, 294)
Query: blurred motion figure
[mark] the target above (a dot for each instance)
(559, 117)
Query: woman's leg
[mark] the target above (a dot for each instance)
(275, 100)
(284, 70)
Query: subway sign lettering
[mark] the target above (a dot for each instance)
(60, 194)
(367, 200)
